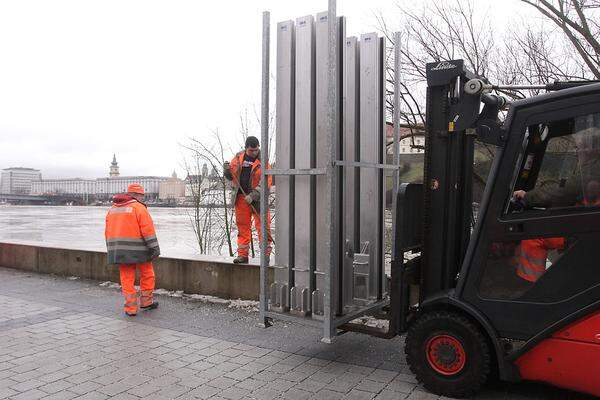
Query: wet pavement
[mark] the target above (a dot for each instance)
(67, 338)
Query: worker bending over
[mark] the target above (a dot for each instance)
(244, 173)
(132, 243)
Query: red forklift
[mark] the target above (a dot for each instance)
(513, 291)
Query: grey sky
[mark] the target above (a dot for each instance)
(81, 80)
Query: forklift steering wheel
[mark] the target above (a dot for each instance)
(517, 205)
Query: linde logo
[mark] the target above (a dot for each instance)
(443, 65)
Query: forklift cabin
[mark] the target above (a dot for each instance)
(517, 291)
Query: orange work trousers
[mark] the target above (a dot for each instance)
(244, 214)
(128, 286)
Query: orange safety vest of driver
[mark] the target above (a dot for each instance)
(130, 234)
(532, 253)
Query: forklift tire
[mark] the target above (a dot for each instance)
(448, 354)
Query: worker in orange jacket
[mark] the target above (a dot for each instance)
(244, 172)
(131, 242)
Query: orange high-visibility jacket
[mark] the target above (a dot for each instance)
(532, 254)
(129, 232)
(236, 171)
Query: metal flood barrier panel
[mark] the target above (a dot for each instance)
(303, 287)
(369, 278)
(285, 145)
(351, 152)
(304, 212)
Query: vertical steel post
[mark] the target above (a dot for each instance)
(264, 159)
(396, 117)
(332, 129)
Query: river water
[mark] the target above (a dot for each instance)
(82, 228)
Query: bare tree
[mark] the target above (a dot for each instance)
(579, 22)
(220, 226)
(200, 217)
(433, 32)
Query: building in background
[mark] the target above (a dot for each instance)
(98, 189)
(115, 183)
(108, 187)
(413, 142)
(18, 180)
(114, 167)
(54, 187)
(173, 189)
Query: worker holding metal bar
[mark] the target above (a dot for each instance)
(244, 171)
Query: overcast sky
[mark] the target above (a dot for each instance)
(81, 80)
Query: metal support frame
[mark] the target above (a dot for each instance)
(264, 159)
(396, 122)
(297, 171)
(303, 118)
(331, 219)
(342, 163)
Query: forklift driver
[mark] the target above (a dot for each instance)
(580, 189)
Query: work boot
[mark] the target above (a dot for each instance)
(152, 306)
(240, 260)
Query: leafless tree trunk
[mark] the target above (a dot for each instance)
(200, 218)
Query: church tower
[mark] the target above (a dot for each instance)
(114, 167)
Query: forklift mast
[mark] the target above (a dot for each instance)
(448, 171)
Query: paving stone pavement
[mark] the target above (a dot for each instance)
(67, 339)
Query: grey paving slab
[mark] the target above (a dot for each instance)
(67, 339)
(62, 395)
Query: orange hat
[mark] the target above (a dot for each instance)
(135, 188)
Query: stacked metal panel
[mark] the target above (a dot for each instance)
(304, 215)
(284, 275)
(372, 150)
(303, 256)
(351, 152)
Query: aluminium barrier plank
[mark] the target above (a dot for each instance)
(284, 200)
(304, 142)
(372, 143)
(351, 153)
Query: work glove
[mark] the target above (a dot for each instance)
(154, 253)
(253, 199)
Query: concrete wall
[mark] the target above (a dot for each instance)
(209, 276)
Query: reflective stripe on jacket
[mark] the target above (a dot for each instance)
(236, 171)
(130, 234)
(531, 256)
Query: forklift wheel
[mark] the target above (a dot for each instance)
(448, 354)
